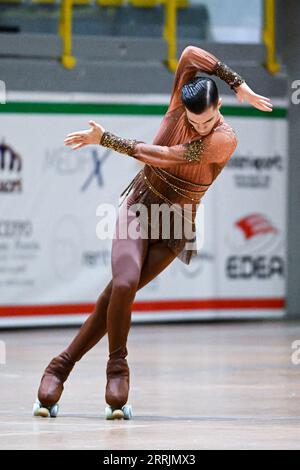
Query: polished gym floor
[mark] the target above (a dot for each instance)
(226, 385)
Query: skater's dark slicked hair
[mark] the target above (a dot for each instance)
(199, 93)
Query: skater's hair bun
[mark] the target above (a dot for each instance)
(199, 94)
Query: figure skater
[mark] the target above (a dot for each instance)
(191, 147)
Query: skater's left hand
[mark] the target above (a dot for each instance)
(244, 92)
(83, 138)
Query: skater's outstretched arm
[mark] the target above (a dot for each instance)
(215, 147)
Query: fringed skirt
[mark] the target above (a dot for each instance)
(178, 229)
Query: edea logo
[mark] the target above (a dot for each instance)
(10, 170)
(256, 243)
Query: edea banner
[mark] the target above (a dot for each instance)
(52, 264)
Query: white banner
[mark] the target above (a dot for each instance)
(53, 266)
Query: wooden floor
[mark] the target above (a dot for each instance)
(193, 386)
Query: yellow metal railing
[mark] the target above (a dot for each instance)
(54, 2)
(65, 27)
(110, 3)
(269, 35)
(169, 32)
(65, 31)
(65, 24)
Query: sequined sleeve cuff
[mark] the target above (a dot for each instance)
(233, 79)
(194, 151)
(118, 144)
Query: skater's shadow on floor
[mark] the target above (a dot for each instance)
(150, 418)
(144, 419)
(136, 418)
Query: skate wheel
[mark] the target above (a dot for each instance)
(108, 412)
(36, 408)
(127, 411)
(39, 410)
(124, 413)
(43, 412)
(117, 414)
(54, 410)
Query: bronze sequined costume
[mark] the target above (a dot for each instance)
(179, 168)
(180, 165)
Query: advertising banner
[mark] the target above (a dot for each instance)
(52, 264)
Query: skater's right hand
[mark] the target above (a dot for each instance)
(83, 138)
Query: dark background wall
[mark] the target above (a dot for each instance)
(289, 46)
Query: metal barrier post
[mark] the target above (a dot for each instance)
(269, 35)
(170, 33)
(65, 31)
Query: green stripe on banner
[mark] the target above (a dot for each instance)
(125, 109)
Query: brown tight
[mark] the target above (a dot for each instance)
(135, 262)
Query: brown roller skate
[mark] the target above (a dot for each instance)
(117, 389)
(51, 386)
